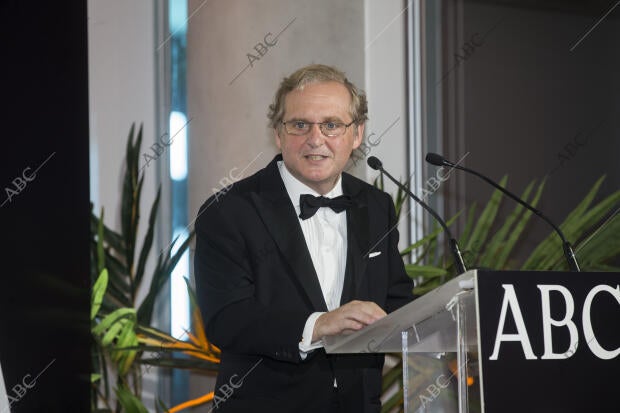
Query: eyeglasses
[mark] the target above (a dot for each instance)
(330, 129)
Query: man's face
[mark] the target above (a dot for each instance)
(315, 159)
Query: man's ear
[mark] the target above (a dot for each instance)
(358, 137)
(276, 136)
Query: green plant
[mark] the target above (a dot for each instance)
(597, 246)
(121, 336)
(120, 325)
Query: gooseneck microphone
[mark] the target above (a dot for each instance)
(569, 254)
(376, 164)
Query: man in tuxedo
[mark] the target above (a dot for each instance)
(297, 252)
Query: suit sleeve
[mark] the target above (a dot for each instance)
(225, 286)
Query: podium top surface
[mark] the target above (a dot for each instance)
(384, 336)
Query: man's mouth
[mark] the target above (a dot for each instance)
(316, 157)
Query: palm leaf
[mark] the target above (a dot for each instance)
(127, 195)
(425, 271)
(195, 363)
(582, 207)
(395, 400)
(130, 403)
(111, 238)
(165, 264)
(160, 405)
(193, 403)
(427, 286)
(549, 251)
(518, 230)
(469, 224)
(486, 219)
(100, 250)
(198, 322)
(378, 182)
(116, 293)
(602, 244)
(583, 225)
(393, 376)
(496, 243)
(401, 198)
(148, 239)
(152, 339)
(428, 238)
(97, 294)
(433, 247)
(130, 201)
(185, 347)
(589, 218)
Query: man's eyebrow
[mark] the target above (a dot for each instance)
(323, 120)
(332, 119)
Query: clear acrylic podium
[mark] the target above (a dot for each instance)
(437, 336)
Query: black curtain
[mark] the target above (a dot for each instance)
(44, 217)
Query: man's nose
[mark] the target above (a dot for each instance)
(315, 136)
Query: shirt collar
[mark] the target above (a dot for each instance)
(295, 188)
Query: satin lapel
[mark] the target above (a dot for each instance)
(274, 206)
(357, 239)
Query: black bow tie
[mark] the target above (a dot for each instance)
(309, 204)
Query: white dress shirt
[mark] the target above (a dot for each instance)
(326, 237)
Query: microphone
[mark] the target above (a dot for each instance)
(569, 254)
(377, 165)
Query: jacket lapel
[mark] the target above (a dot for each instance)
(357, 239)
(274, 206)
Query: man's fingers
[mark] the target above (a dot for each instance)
(363, 311)
(349, 318)
(348, 324)
(362, 317)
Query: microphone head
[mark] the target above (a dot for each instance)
(435, 159)
(374, 163)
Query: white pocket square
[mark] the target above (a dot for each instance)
(374, 254)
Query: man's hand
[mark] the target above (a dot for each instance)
(350, 317)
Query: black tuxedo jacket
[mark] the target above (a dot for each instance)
(256, 286)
